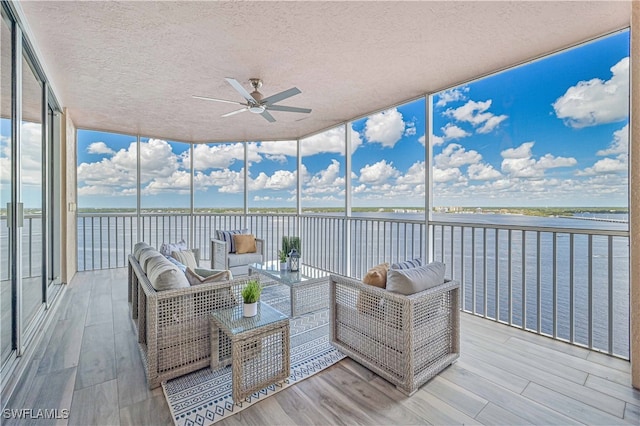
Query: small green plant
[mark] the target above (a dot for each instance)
(282, 255)
(251, 292)
(289, 243)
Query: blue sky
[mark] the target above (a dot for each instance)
(550, 133)
(553, 132)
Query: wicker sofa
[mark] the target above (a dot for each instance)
(406, 339)
(173, 325)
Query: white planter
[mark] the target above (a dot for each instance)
(283, 266)
(250, 309)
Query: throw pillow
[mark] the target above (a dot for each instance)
(186, 257)
(163, 275)
(137, 249)
(146, 255)
(181, 266)
(407, 264)
(204, 276)
(368, 303)
(245, 243)
(377, 276)
(168, 248)
(226, 236)
(414, 280)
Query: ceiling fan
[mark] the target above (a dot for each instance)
(256, 103)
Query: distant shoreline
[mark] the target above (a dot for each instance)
(528, 211)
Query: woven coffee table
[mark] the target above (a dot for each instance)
(308, 287)
(259, 348)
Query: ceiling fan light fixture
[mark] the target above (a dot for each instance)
(257, 109)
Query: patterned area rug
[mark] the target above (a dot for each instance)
(204, 396)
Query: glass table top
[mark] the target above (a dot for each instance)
(233, 321)
(272, 269)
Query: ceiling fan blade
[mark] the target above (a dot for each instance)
(217, 100)
(234, 112)
(233, 82)
(281, 96)
(289, 109)
(267, 116)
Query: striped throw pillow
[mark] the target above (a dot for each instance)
(227, 236)
(407, 264)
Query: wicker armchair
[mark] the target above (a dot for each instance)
(405, 339)
(238, 264)
(173, 326)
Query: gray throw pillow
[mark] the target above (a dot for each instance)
(407, 264)
(414, 280)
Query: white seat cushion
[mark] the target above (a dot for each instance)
(244, 259)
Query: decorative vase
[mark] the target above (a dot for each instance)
(250, 309)
(283, 266)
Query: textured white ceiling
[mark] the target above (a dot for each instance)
(132, 67)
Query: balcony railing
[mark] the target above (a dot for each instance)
(569, 284)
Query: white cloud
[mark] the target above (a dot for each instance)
(227, 181)
(476, 113)
(282, 179)
(410, 129)
(605, 166)
(277, 149)
(493, 122)
(519, 162)
(445, 175)
(220, 156)
(179, 182)
(378, 173)
(327, 181)
(156, 160)
(435, 140)
(593, 102)
(332, 141)
(455, 155)
(452, 132)
(452, 95)
(422, 139)
(523, 151)
(548, 161)
(110, 176)
(482, 171)
(99, 148)
(619, 144)
(414, 176)
(385, 128)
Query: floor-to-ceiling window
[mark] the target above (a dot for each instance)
(272, 179)
(388, 162)
(165, 190)
(219, 177)
(542, 145)
(107, 177)
(323, 171)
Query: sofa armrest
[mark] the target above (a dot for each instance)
(260, 247)
(219, 254)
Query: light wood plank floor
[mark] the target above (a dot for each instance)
(89, 364)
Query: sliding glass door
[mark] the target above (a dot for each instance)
(6, 200)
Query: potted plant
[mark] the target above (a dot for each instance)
(289, 244)
(282, 255)
(251, 295)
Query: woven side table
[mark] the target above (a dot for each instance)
(260, 353)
